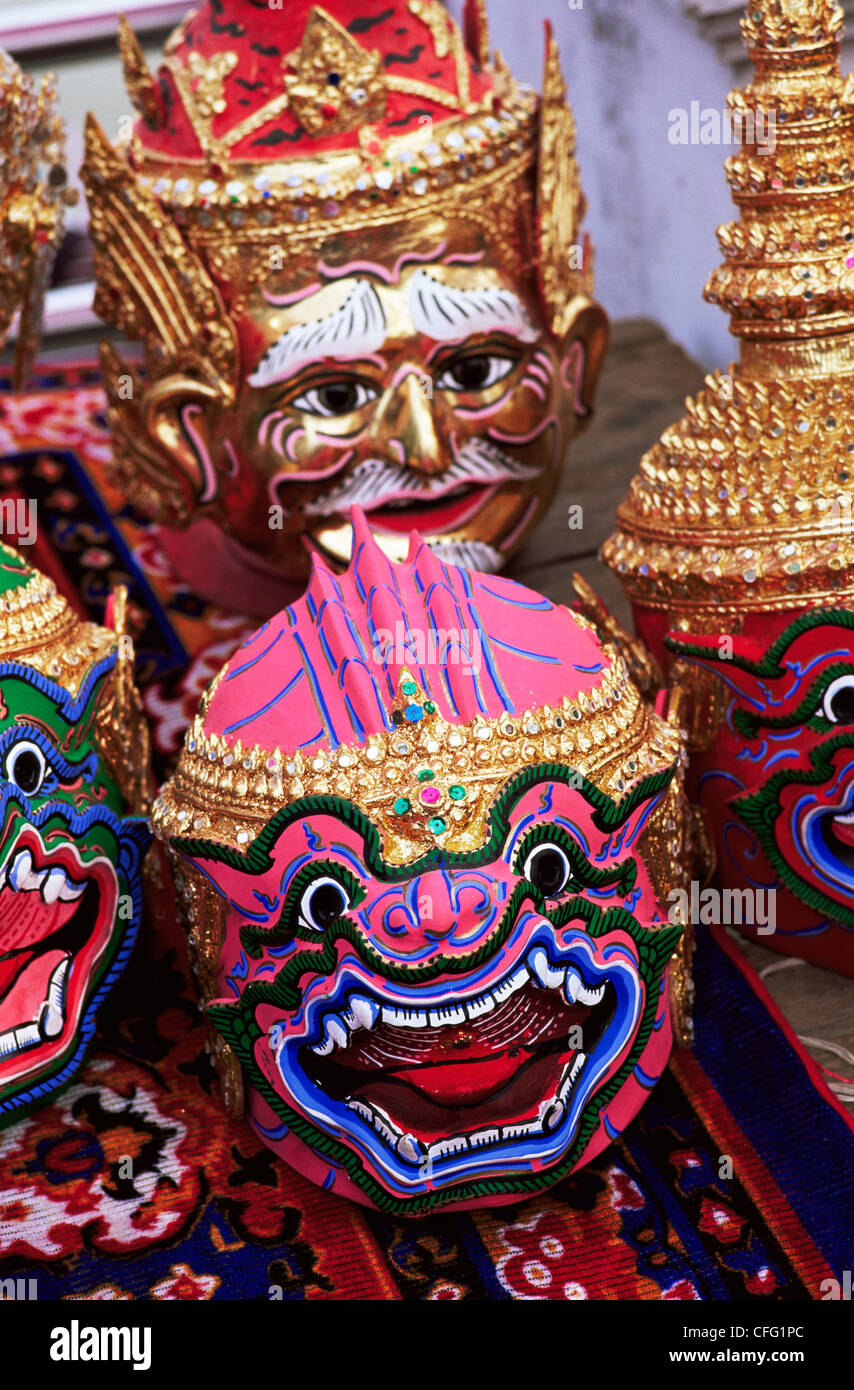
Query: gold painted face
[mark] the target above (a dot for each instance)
(406, 371)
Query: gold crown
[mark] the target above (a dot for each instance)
(426, 782)
(31, 203)
(168, 230)
(745, 503)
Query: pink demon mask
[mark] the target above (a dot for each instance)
(424, 827)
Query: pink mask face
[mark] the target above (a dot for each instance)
(472, 1026)
(442, 958)
(778, 783)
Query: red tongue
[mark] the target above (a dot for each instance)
(465, 1081)
(26, 919)
(467, 1063)
(10, 969)
(844, 831)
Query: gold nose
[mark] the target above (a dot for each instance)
(403, 426)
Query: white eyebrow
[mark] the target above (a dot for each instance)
(447, 314)
(356, 329)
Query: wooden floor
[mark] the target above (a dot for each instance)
(645, 380)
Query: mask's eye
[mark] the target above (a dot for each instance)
(475, 373)
(838, 703)
(322, 903)
(341, 397)
(547, 868)
(26, 766)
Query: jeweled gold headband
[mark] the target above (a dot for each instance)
(426, 782)
(39, 629)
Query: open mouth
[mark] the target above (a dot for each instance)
(488, 1066)
(445, 513)
(438, 1088)
(838, 834)
(55, 920)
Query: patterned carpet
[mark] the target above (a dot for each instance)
(733, 1183)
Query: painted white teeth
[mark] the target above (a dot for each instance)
(70, 892)
(591, 996)
(360, 1109)
(51, 1017)
(447, 1148)
(551, 1114)
(484, 1137)
(520, 1131)
(337, 1032)
(447, 1017)
(545, 974)
(54, 883)
(509, 986)
(363, 1011)
(384, 1126)
(21, 871)
(411, 1148)
(570, 1080)
(56, 988)
(476, 1007)
(50, 1022)
(405, 1018)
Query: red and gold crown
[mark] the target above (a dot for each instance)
(282, 127)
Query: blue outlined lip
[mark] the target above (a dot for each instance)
(404, 1162)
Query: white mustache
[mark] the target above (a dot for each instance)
(478, 461)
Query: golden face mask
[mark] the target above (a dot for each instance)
(357, 280)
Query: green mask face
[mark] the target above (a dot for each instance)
(70, 860)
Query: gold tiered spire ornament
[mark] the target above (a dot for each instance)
(745, 503)
(33, 192)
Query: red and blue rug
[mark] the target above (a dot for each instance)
(733, 1183)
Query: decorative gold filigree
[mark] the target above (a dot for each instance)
(560, 201)
(438, 21)
(146, 282)
(141, 86)
(32, 199)
(225, 792)
(787, 25)
(203, 913)
(476, 23)
(641, 664)
(39, 628)
(745, 504)
(337, 85)
(447, 38)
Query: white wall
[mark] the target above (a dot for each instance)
(653, 205)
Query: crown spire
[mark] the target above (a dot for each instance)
(787, 280)
(745, 503)
(779, 26)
